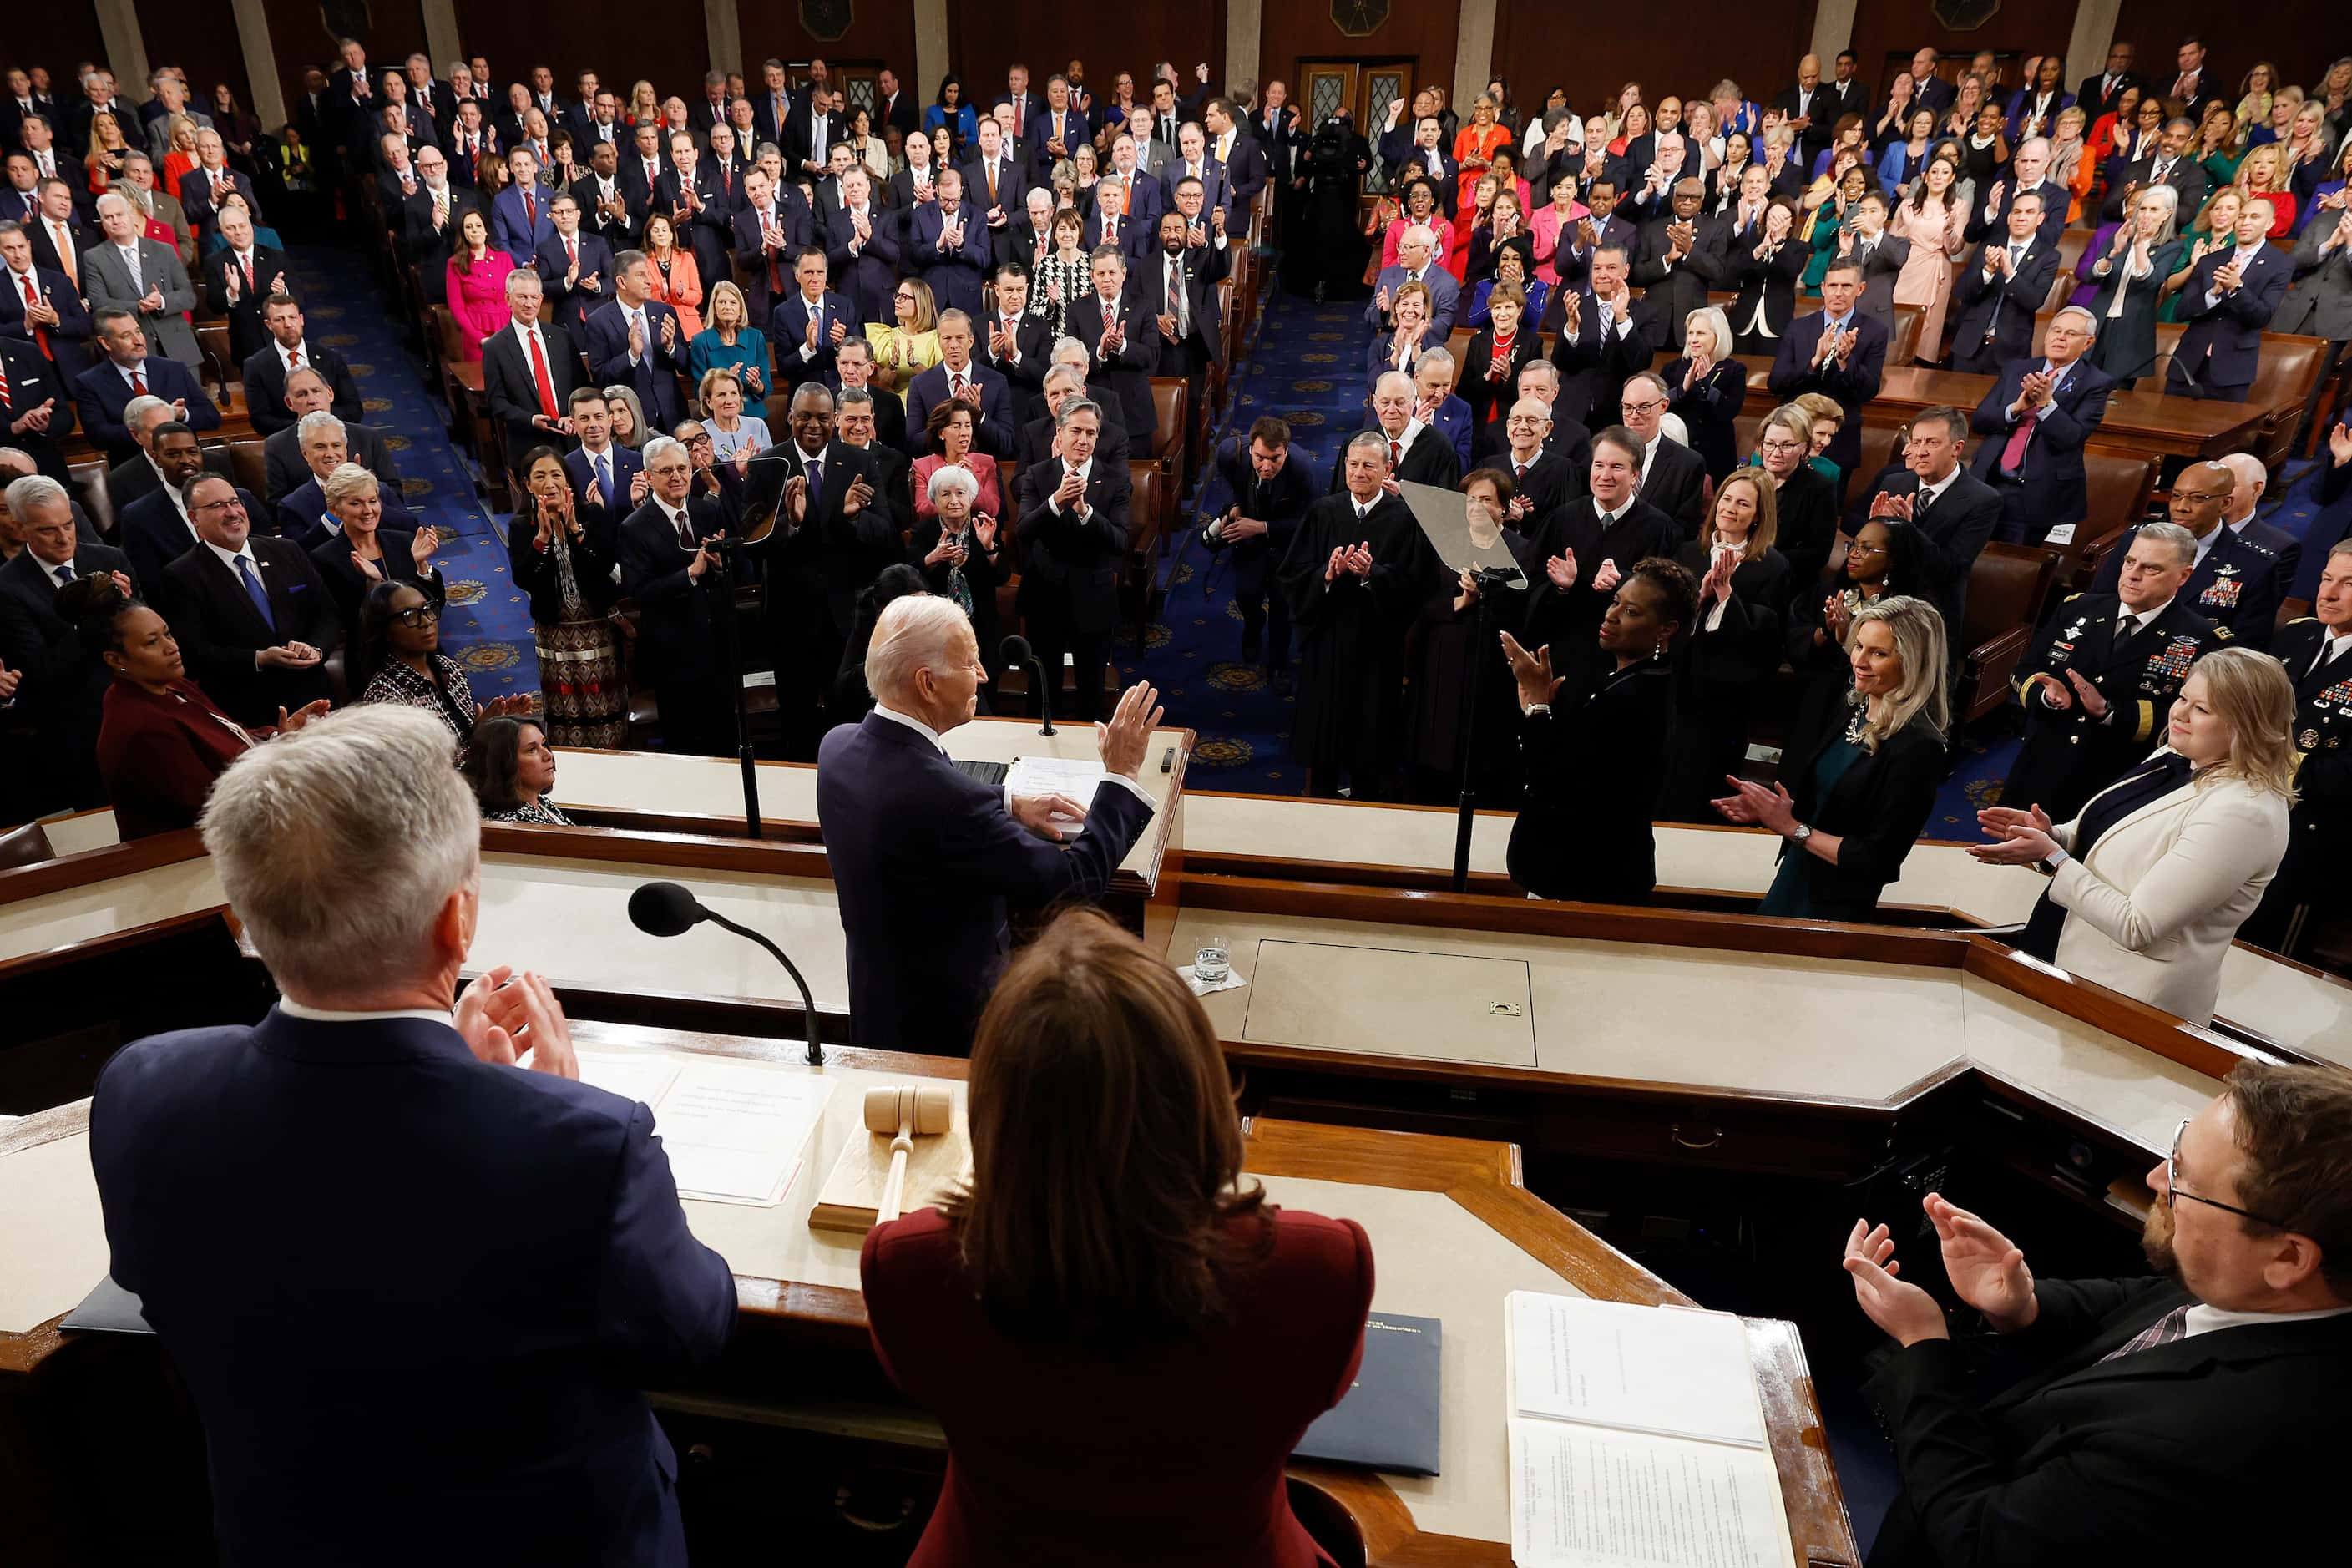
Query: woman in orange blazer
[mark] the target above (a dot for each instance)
(1122, 1344)
(677, 281)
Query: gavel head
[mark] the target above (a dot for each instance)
(924, 1109)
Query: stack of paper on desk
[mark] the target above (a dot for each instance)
(1637, 1440)
(734, 1131)
(1056, 775)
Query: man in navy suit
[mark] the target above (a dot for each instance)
(58, 324)
(633, 341)
(1120, 333)
(1416, 262)
(156, 528)
(1015, 344)
(1614, 336)
(1139, 197)
(1837, 351)
(1054, 132)
(127, 371)
(36, 410)
(2229, 300)
(63, 683)
(809, 324)
(958, 374)
(205, 186)
(2024, 178)
(2032, 425)
(251, 614)
(772, 227)
(603, 471)
(947, 241)
(1953, 512)
(2000, 290)
(412, 1218)
(574, 268)
(521, 216)
(2237, 582)
(926, 859)
(861, 244)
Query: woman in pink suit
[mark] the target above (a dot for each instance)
(477, 284)
(1107, 1271)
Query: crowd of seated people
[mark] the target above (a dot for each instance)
(964, 310)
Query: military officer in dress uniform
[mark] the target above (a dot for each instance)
(2100, 676)
(2237, 582)
(2317, 653)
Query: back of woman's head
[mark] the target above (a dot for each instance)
(92, 604)
(891, 583)
(1105, 1144)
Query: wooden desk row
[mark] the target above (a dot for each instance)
(1453, 1226)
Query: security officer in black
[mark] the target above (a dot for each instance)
(2317, 654)
(2100, 679)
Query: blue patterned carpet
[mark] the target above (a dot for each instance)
(487, 626)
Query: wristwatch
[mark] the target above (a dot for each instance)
(1533, 708)
(1799, 833)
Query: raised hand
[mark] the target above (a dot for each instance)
(1605, 577)
(421, 548)
(1561, 569)
(2087, 694)
(290, 722)
(1987, 1270)
(1531, 671)
(1904, 1311)
(1123, 741)
(2339, 446)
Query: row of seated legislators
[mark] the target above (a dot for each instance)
(933, 300)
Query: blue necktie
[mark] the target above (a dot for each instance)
(603, 480)
(256, 592)
(816, 484)
(65, 574)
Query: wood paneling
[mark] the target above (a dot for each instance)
(57, 36)
(882, 35)
(620, 43)
(300, 39)
(1045, 35)
(1303, 30)
(1539, 46)
(2302, 37)
(201, 43)
(1886, 33)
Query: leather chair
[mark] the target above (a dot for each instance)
(2006, 588)
(1169, 413)
(25, 845)
(2121, 489)
(89, 483)
(249, 463)
(212, 342)
(2288, 370)
(1458, 343)
(1904, 345)
(1139, 578)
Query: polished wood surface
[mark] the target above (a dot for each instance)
(2148, 423)
(1481, 1178)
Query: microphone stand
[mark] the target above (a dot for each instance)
(723, 570)
(808, 1001)
(1490, 582)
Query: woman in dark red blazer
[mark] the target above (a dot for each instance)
(161, 740)
(1123, 1347)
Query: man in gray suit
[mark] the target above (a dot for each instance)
(2318, 303)
(130, 272)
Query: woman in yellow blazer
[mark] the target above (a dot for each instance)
(2149, 884)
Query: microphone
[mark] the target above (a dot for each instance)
(667, 909)
(1016, 650)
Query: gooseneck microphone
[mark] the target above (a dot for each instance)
(1016, 650)
(667, 909)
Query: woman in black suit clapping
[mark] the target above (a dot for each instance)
(358, 554)
(1862, 795)
(1734, 643)
(1491, 365)
(1804, 501)
(1766, 274)
(563, 555)
(1706, 386)
(1596, 760)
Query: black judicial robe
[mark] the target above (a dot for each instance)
(1351, 632)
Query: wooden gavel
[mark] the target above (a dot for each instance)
(905, 1111)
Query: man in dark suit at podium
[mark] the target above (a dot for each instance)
(2092, 1420)
(926, 859)
(411, 1218)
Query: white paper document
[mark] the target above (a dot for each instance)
(1030, 776)
(1637, 1439)
(1615, 1363)
(735, 1132)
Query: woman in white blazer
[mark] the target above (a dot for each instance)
(2149, 884)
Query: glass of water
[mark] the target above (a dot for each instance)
(1212, 962)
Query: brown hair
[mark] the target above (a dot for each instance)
(1270, 431)
(2294, 1124)
(1104, 1145)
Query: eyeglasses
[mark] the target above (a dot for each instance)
(2173, 1194)
(426, 615)
(2197, 497)
(1630, 406)
(1779, 447)
(232, 504)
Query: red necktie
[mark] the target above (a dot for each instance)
(530, 212)
(1107, 318)
(294, 357)
(956, 387)
(40, 335)
(248, 275)
(139, 382)
(1396, 454)
(571, 249)
(2012, 454)
(546, 381)
(5, 398)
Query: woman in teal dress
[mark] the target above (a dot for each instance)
(1864, 795)
(1836, 209)
(2213, 231)
(730, 342)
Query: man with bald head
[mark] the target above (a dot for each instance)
(927, 861)
(2027, 175)
(1682, 256)
(1808, 110)
(2032, 426)
(2236, 583)
(2228, 302)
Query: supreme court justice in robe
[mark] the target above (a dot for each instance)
(1595, 762)
(1073, 536)
(400, 1095)
(2096, 692)
(1415, 452)
(2032, 425)
(1733, 647)
(1672, 476)
(1356, 575)
(252, 617)
(1194, 1331)
(927, 859)
(2238, 583)
(1865, 792)
(1270, 490)
(669, 577)
(1588, 544)
(1837, 351)
(2100, 1414)
(2316, 652)
(1449, 656)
